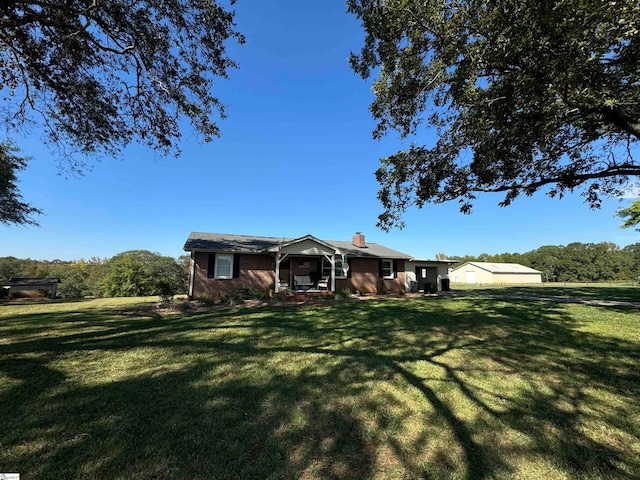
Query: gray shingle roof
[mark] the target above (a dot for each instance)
(371, 250)
(251, 244)
(230, 243)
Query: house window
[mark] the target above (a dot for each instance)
(224, 266)
(326, 268)
(387, 269)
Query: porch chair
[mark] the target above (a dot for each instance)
(324, 283)
(302, 282)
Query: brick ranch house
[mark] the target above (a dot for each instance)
(222, 263)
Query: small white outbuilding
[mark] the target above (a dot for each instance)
(494, 273)
(418, 272)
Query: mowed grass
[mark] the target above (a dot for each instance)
(434, 388)
(592, 291)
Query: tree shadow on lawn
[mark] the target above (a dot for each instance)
(173, 425)
(619, 293)
(422, 388)
(579, 392)
(569, 383)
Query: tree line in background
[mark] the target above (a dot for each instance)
(127, 274)
(143, 273)
(575, 262)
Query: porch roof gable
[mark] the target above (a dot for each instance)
(307, 245)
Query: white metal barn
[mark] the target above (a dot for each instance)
(496, 273)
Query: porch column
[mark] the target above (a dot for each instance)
(331, 260)
(333, 273)
(279, 258)
(192, 274)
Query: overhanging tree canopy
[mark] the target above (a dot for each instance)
(101, 73)
(97, 75)
(631, 215)
(523, 95)
(12, 209)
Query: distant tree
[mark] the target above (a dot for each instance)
(622, 262)
(73, 283)
(78, 278)
(547, 260)
(631, 215)
(98, 75)
(127, 276)
(464, 259)
(11, 267)
(141, 273)
(523, 95)
(604, 260)
(94, 269)
(632, 255)
(183, 262)
(36, 268)
(12, 209)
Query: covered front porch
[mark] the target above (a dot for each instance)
(308, 265)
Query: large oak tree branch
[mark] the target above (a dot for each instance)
(68, 65)
(570, 179)
(530, 94)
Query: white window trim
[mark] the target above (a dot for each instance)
(215, 267)
(390, 268)
(338, 273)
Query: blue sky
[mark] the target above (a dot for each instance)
(296, 157)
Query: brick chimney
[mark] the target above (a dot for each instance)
(358, 240)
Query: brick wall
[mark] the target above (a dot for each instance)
(311, 270)
(365, 277)
(256, 271)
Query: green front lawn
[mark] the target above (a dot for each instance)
(434, 388)
(592, 291)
